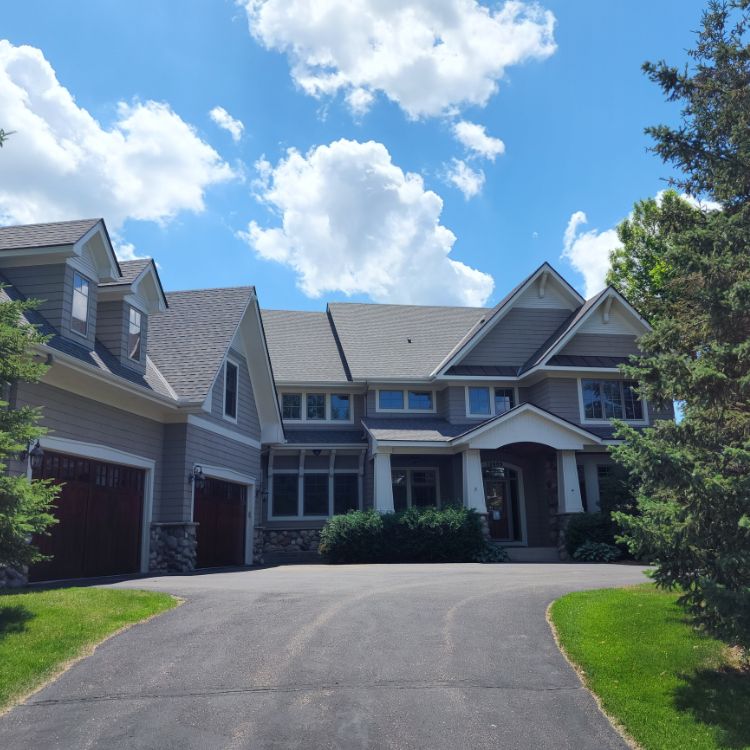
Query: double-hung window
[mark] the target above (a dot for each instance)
(135, 330)
(231, 379)
(483, 401)
(414, 488)
(316, 407)
(611, 399)
(291, 405)
(80, 317)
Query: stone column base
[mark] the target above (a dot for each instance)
(174, 547)
(485, 526)
(562, 524)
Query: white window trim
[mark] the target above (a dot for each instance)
(492, 388)
(226, 416)
(405, 392)
(300, 472)
(409, 470)
(139, 358)
(303, 408)
(88, 304)
(582, 411)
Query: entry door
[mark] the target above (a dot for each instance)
(501, 496)
(99, 512)
(219, 511)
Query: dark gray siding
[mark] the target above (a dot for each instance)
(68, 415)
(557, 395)
(176, 492)
(48, 285)
(603, 345)
(516, 337)
(110, 326)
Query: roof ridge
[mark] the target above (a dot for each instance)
(248, 287)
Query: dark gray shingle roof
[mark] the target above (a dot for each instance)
(44, 235)
(415, 429)
(302, 346)
(129, 271)
(188, 341)
(100, 358)
(399, 341)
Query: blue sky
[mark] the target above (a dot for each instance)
(571, 121)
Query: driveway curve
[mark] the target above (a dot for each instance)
(397, 657)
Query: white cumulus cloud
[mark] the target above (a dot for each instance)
(474, 138)
(588, 252)
(469, 181)
(225, 121)
(352, 221)
(428, 56)
(62, 163)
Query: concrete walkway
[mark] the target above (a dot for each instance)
(410, 656)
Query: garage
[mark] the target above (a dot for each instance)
(99, 512)
(219, 511)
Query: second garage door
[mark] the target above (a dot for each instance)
(99, 512)
(219, 511)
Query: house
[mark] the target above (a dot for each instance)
(193, 429)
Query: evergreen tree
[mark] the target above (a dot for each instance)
(25, 506)
(691, 273)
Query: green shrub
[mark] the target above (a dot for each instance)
(417, 535)
(492, 553)
(597, 552)
(588, 527)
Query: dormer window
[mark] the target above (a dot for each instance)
(135, 329)
(231, 374)
(80, 317)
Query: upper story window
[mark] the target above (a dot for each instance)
(80, 317)
(611, 399)
(405, 400)
(483, 401)
(135, 331)
(231, 380)
(316, 407)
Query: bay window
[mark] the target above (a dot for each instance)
(611, 399)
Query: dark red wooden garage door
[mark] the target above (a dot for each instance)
(100, 510)
(219, 511)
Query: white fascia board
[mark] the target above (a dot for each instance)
(498, 315)
(109, 269)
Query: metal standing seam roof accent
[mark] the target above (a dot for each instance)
(302, 347)
(352, 437)
(44, 235)
(188, 341)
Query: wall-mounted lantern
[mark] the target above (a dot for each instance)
(197, 477)
(34, 454)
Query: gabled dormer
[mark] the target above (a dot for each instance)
(503, 340)
(61, 264)
(123, 311)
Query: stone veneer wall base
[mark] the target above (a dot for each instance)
(174, 547)
(12, 578)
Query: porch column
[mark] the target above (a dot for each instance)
(383, 483)
(568, 488)
(473, 486)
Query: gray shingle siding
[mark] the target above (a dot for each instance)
(516, 337)
(606, 345)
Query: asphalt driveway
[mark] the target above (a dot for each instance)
(428, 657)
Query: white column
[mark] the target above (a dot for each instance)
(591, 477)
(383, 483)
(473, 486)
(568, 489)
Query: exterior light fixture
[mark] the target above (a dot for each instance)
(316, 451)
(34, 454)
(197, 477)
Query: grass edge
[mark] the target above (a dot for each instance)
(86, 651)
(616, 724)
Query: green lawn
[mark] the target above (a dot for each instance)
(666, 684)
(42, 630)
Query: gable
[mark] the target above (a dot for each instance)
(615, 320)
(516, 337)
(546, 294)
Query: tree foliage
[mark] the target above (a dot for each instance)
(25, 506)
(689, 270)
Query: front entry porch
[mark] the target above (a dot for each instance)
(519, 471)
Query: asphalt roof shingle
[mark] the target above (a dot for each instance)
(399, 341)
(188, 341)
(302, 347)
(44, 235)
